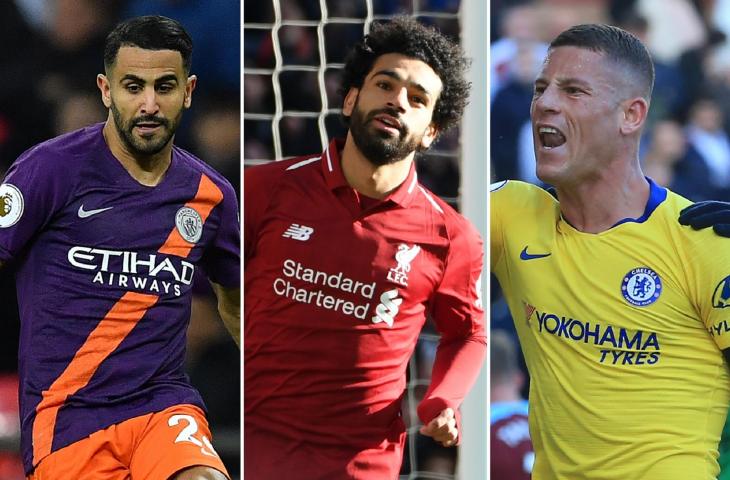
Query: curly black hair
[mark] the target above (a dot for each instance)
(408, 37)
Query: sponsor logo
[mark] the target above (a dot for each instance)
(404, 256)
(189, 223)
(11, 205)
(641, 286)
(529, 310)
(721, 296)
(298, 232)
(88, 213)
(719, 328)
(294, 274)
(619, 346)
(153, 273)
(388, 307)
(529, 256)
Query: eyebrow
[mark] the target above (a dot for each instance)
(393, 74)
(564, 81)
(162, 79)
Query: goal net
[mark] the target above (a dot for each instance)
(293, 58)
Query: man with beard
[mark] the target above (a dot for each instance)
(105, 228)
(345, 256)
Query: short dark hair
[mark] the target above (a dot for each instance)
(406, 36)
(616, 44)
(150, 32)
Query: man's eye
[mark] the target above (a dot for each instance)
(133, 88)
(383, 85)
(165, 88)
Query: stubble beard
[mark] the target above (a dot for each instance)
(144, 146)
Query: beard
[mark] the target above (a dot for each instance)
(148, 144)
(379, 147)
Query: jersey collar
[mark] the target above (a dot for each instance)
(403, 195)
(657, 195)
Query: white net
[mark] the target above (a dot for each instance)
(293, 57)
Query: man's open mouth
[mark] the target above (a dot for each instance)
(550, 137)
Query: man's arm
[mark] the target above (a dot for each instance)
(229, 308)
(708, 214)
(457, 311)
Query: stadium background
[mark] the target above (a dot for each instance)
(686, 143)
(50, 54)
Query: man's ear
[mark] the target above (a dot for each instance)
(429, 136)
(350, 100)
(189, 87)
(635, 112)
(103, 83)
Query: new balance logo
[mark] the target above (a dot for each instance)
(298, 232)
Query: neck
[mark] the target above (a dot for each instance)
(595, 205)
(375, 181)
(148, 170)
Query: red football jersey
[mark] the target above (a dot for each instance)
(335, 297)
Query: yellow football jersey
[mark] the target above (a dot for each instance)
(622, 333)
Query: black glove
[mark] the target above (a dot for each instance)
(705, 214)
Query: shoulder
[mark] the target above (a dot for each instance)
(272, 172)
(64, 152)
(519, 198)
(200, 167)
(458, 227)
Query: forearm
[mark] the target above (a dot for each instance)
(229, 308)
(455, 370)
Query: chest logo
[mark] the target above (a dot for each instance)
(641, 286)
(189, 223)
(532, 256)
(388, 307)
(298, 232)
(88, 213)
(721, 296)
(404, 256)
(11, 205)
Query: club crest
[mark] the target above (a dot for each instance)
(641, 286)
(403, 257)
(189, 224)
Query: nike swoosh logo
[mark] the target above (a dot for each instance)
(87, 213)
(527, 256)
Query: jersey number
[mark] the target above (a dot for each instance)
(186, 435)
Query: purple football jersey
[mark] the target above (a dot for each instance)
(104, 276)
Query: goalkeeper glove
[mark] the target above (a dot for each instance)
(705, 214)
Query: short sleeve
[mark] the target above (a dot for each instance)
(32, 192)
(222, 258)
(709, 270)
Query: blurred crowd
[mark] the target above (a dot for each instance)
(301, 95)
(51, 52)
(686, 142)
